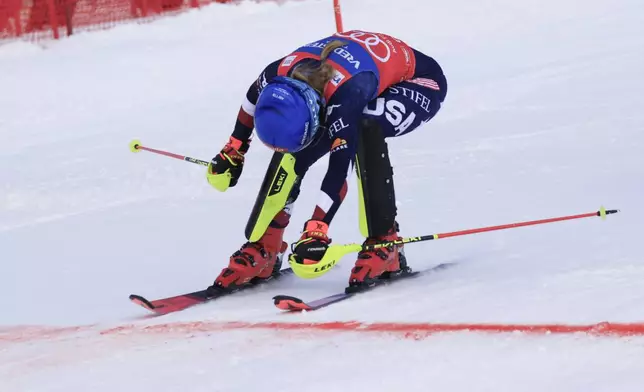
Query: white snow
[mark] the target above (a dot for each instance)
(543, 118)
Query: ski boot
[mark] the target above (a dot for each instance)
(378, 264)
(253, 263)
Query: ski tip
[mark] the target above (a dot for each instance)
(291, 304)
(137, 299)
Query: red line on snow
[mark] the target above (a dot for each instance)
(404, 330)
(411, 330)
(24, 333)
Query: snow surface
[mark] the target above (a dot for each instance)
(543, 118)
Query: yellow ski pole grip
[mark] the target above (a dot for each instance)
(333, 254)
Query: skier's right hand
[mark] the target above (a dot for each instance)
(313, 243)
(225, 169)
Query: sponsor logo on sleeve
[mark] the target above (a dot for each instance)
(338, 144)
(337, 126)
(261, 81)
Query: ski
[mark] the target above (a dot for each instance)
(184, 301)
(294, 304)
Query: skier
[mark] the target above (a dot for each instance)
(341, 95)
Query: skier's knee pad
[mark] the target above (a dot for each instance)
(279, 189)
(376, 184)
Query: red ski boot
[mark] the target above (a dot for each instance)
(254, 262)
(378, 263)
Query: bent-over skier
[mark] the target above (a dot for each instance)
(341, 95)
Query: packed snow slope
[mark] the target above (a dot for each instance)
(543, 118)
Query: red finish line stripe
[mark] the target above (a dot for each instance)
(20, 334)
(404, 329)
(25, 333)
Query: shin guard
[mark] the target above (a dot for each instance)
(274, 195)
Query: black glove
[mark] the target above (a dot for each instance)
(312, 246)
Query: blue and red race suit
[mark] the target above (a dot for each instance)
(377, 76)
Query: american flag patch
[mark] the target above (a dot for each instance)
(338, 77)
(429, 83)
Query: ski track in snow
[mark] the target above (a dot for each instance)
(543, 118)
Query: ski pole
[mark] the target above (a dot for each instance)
(136, 146)
(601, 213)
(335, 252)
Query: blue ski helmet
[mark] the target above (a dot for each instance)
(287, 115)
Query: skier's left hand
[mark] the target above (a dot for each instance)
(225, 169)
(313, 244)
